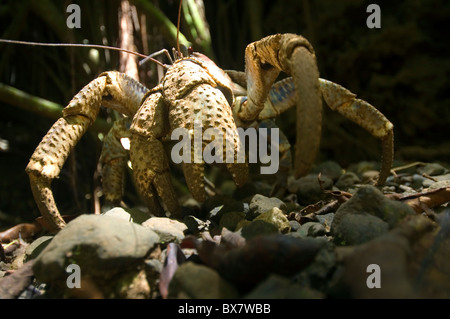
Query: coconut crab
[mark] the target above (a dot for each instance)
(195, 89)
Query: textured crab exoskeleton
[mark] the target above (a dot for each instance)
(190, 91)
(195, 90)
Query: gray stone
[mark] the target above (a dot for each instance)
(101, 245)
(432, 169)
(308, 188)
(347, 180)
(260, 204)
(279, 287)
(311, 229)
(276, 217)
(258, 228)
(295, 225)
(36, 247)
(330, 169)
(355, 229)
(195, 281)
(130, 214)
(326, 220)
(231, 219)
(440, 181)
(169, 230)
(367, 215)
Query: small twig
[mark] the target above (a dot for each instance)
(430, 177)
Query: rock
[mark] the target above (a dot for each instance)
(326, 220)
(276, 217)
(134, 215)
(369, 176)
(195, 281)
(396, 259)
(440, 181)
(347, 180)
(366, 215)
(169, 230)
(330, 169)
(432, 169)
(355, 229)
(260, 204)
(295, 225)
(119, 212)
(262, 256)
(132, 285)
(36, 247)
(318, 275)
(278, 287)
(230, 220)
(363, 166)
(102, 246)
(311, 229)
(308, 188)
(258, 228)
(242, 223)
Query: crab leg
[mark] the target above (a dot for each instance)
(114, 159)
(115, 90)
(367, 116)
(293, 55)
(282, 97)
(150, 163)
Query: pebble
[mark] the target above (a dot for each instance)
(102, 246)
(186, 284)
(276, 217)
(279, 287)
(330, 169)
(311, 229)
(347, 180)
(366, 215)
(230, 220)
(260, 204)
(308, 189)
(169, 230)
(432, 169)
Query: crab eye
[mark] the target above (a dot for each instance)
(266, 66)
(190, 51)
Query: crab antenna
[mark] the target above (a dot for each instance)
(178, 28)
(93, 46)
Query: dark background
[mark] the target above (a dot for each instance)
(402, 69)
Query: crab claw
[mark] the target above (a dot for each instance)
(294, 55)
(200, 100)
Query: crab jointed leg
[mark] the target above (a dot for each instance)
(114, 90)
(282, 96)
(293, 55)
(367, 116)
(150, 163)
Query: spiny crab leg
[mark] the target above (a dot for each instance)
(295, 56)
(114, 90)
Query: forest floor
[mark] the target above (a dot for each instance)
(331, 235)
